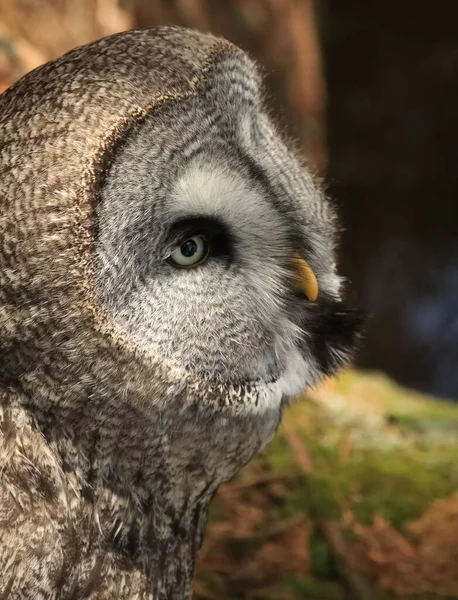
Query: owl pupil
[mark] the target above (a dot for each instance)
(189, 248)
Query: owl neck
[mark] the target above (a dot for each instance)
(149, 495)
(147, 476)
(154, 519)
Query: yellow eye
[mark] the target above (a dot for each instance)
(191, 252)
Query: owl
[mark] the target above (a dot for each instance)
(168, 284)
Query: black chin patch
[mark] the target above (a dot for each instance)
(333, 332)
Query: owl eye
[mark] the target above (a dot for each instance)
(191, 252)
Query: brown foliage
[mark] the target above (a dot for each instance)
(250, 545)
(421, 560)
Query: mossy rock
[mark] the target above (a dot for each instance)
(355, 498)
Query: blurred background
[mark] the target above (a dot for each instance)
(354, 499)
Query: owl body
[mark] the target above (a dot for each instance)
(151, 326)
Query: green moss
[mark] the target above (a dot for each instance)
(279, 456)
(406, 421)
(374, 448)
(322, 558)
(321, 497)
(216, 510)
(398, 479)
(428, 422)
(394, 485)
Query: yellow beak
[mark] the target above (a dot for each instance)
(305, 277)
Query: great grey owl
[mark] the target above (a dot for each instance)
(167, 285)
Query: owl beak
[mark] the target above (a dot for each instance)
(305, 278)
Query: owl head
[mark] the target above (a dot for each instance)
(162, 248)
(216, 249)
